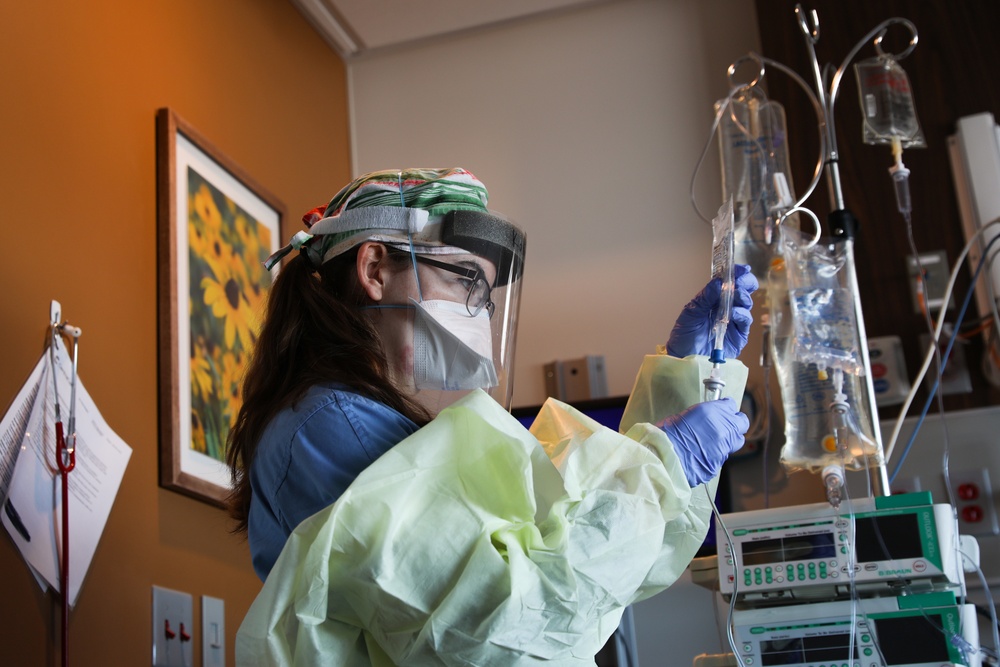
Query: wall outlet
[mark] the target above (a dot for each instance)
(974, 502)
(173, 628)
(888, 370)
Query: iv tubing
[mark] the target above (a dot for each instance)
(930, 355)
(736, 583)
(937, 334)
(817, 105)
(901, 181)
(708, 145)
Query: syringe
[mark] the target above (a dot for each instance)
(723, 251)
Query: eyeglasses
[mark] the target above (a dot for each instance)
(479, 288)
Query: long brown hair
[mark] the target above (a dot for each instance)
(313, 332)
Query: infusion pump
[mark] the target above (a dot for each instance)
(883, 546)
(911, 631)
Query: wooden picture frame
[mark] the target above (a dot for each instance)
(215, 226)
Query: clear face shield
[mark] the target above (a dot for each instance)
(465, 319)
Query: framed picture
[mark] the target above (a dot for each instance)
(216, 225)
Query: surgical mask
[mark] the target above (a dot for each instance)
(452, 351)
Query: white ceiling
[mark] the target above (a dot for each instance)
(357, 27)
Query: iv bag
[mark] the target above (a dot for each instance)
(825, 322)
(753, 152)
(887, 103)
(806, 392)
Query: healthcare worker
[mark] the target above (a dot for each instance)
(417, 522)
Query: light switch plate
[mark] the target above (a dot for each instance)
(213, 632)
(173, 628)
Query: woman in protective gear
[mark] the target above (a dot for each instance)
(397, 512)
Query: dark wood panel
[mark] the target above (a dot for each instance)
(954, 71)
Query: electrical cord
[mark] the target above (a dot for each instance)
(947, 352)
(937, 333)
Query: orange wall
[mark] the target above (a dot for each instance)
(80, 83)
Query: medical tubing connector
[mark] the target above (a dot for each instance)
(900, 179)
(839, 405)
(717, 357)
(713, 383)
(834, 483)
(833, 475)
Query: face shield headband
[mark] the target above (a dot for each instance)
(481, 233)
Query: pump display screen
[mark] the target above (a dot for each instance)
(912, 639)
(891, 537)
(888, 538)
(781, 550)
(800, 650)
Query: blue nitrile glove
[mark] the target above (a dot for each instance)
(692, 333)
(705, 435)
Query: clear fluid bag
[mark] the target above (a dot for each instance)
(753, 152)
(823, 313)
(812, 441)
(887, 106)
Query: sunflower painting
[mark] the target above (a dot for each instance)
(227, 281)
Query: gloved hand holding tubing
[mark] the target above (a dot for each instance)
(692, 333)
(705, 435)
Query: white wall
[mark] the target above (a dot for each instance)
(586, 127)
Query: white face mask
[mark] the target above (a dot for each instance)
(452, 351)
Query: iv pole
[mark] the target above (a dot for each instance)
(843, 224)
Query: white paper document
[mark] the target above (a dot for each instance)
(32, 488)
(15, 424)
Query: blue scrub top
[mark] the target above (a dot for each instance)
(308, 456)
